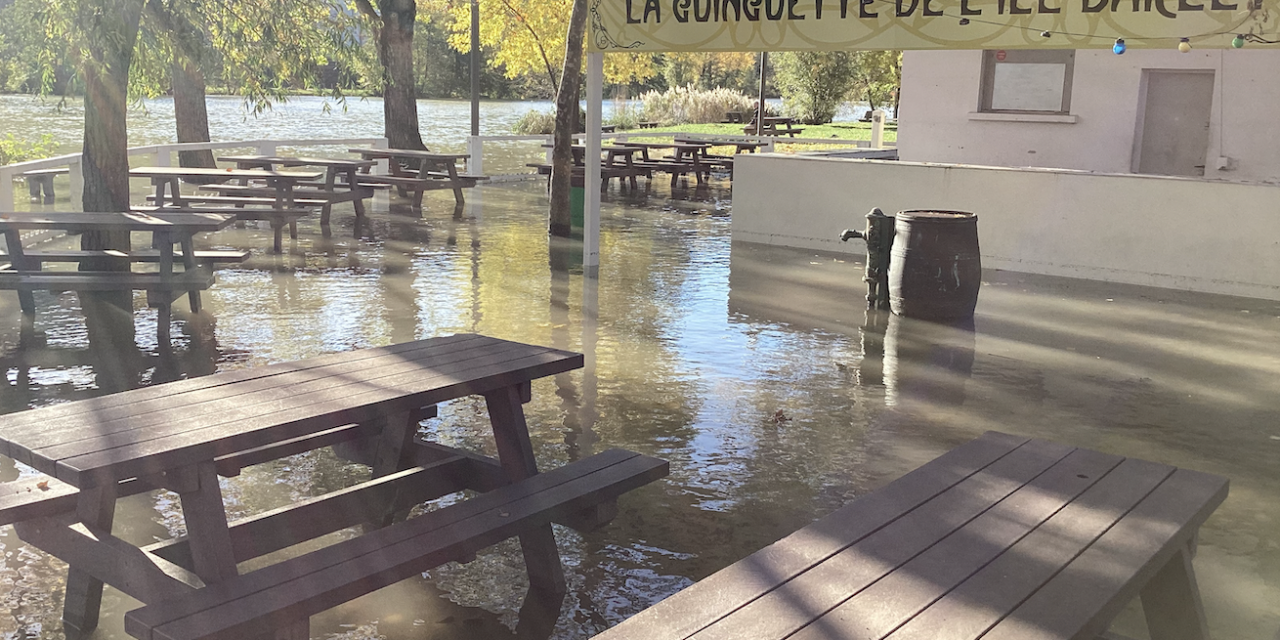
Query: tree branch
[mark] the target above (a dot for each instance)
(551, 72)
(367, 9)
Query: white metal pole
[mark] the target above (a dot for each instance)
(591, 186)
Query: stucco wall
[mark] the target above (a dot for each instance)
(940, 90)
(1179, 233)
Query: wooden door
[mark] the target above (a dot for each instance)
(1173, 125)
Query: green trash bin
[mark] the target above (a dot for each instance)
(577, 205)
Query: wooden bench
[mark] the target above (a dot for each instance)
(244, 200)
(279, 218)
(42, 180)
(649, 125)
(281, 595)
(1003, 538)
(145, 255)
(414, 186)
(607, 173)
(304, 195)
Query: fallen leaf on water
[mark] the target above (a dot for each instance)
(43, 485)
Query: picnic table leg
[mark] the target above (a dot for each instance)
(1171, 601)
(206, 519)
(189, 265)
(515, 452)
(455, 181)
(13, 242)
(96, 507)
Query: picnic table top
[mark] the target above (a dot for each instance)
(154, 429)
(408, 153)
(201, 172)
(1004, 537)
(299, 161)
(179, 221)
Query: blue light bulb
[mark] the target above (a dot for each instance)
(1119, 47)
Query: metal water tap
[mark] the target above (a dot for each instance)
(879, 238)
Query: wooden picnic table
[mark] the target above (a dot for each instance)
(414, 172)
(25, 273)
(1004, 537)
(185, 434)
(340, 184)
(740, 146)
(775, 126)
(279, 184)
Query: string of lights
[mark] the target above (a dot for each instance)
(1119, 46)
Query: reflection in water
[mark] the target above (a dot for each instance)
(692, 346)
(926, 362)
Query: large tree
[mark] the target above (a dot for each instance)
(815, 83)
(561, 221)
(393, 22)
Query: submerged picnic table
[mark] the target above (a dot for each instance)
(25, 269)
(414, 172)
(283, 205)
(1002, 538)
(183, 435)
(339, 182)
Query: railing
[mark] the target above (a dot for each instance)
(475, 144)
(164, 158)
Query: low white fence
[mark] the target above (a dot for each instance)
(475, 144)
(164, 158)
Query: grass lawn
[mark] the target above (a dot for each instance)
(838, 130)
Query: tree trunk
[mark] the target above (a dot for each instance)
(566, 113)
(190, 112)
(395, 52)
(105, 161)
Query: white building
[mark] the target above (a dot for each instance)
(1154, 167)
(1211, 113)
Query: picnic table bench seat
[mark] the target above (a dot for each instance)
(142, 255)
(279, 218)
(283, 594)
(1002, 538)
(39, 180)
(244, 200)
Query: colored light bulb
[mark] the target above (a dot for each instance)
(1238, 42)
(1184, 45)
(1045, 34)
(1119, 47)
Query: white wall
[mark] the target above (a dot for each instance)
(940, 91)
(1179, 233)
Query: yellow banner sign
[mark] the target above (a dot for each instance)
(796, 25)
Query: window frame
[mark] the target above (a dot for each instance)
(986, 88)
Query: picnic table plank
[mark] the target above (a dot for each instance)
(152, 415)
(157, 415)
(134, 453)
(875, 611)
(1035, 559)
(205, 172)
(709, 600)
(64, 415)
(775, 616)
(176, 221)
(1091, 590)
(308, 584)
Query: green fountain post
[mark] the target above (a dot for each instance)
(879, 238)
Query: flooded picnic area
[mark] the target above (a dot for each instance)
(755, 371)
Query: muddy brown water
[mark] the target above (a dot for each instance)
(753, 370)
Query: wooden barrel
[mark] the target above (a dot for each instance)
(934, 267)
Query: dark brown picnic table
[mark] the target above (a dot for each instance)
(414, 172)
(25, 269)
(340, 184)
(283, 204)
(1002, 538)
(183, 435)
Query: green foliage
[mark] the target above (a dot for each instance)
(815, 83)
(626, 115)
(535, 123)
(13, 150)
(682, 105)
(878, 77)
(733, 70)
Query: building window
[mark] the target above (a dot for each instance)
(1027, 81)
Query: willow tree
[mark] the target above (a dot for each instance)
(259, 49)
(393, 22)
(544, 39)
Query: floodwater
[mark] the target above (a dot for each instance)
(754, 371)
